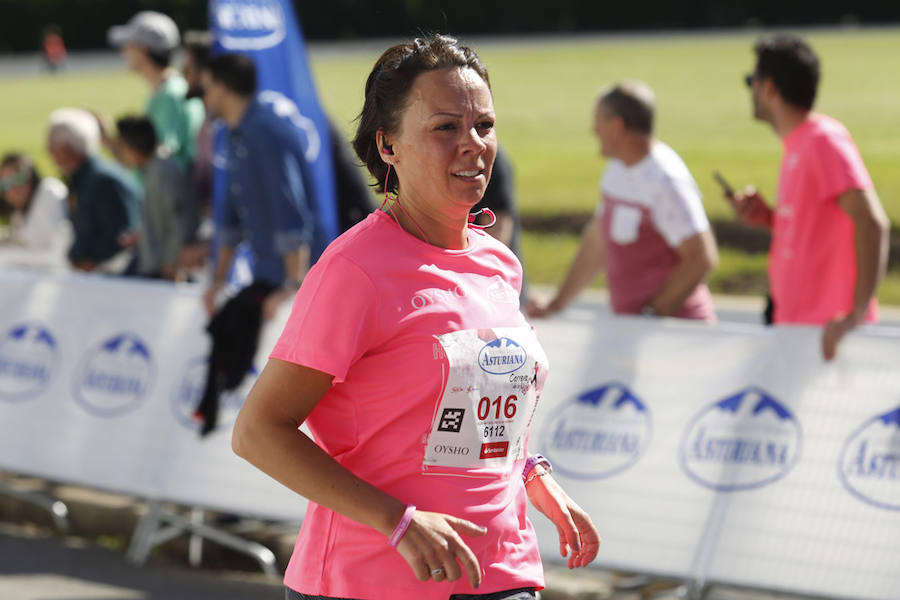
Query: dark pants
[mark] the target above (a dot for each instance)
(519, 594)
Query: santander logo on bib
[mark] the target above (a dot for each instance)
(501, 356)
(249, 25)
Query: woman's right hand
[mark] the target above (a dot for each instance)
(432, 541)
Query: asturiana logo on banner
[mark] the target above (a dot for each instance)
(743, 442)
(114, 376)
(870, 462)
(599, 433)
(28, 356)
(249, 24)
(189, 390)
(501, 356)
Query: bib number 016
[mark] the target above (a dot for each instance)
(486, 407)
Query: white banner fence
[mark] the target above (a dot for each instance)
(728, 454)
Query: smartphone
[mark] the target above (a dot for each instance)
(726, 187)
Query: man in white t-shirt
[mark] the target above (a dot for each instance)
(650, 233)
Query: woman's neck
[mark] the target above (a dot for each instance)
(445, 231)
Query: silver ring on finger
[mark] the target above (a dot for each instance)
(437, 572)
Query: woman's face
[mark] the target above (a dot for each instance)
(16, 195)
(445, 146)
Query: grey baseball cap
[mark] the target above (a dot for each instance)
(153, 30)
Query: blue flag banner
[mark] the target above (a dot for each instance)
(268, 32)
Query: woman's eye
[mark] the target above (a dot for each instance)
(446, 127)
(486, 125)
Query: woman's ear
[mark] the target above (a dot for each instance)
(384, 147)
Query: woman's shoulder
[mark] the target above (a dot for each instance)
(484, 241)
(51, 188)
(487, 247)
(366, 242)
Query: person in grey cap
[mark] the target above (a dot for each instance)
(148, 42)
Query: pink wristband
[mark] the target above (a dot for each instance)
(402, 525)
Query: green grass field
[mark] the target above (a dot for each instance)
(544, 93)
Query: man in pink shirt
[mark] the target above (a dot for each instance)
(650, 233)
(829, 230)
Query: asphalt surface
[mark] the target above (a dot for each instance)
(36, 567)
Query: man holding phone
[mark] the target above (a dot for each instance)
(650, 233)
(829, 230)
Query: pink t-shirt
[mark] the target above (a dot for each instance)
(648, 210)
(368, 313)
(812, 263)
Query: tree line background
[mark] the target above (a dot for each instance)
(84, 22)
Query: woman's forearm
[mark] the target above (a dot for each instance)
(290, 457)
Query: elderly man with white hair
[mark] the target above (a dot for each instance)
(104, 200)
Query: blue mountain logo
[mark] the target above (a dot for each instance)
(869, 466)
(598, 433)
(891, 418)
(744, 441)
(624, 397)
(114, 376)
(28, 358)
(501, 356)
(127, 345)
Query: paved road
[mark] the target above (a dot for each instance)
(40, 568)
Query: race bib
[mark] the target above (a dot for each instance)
(493, 387)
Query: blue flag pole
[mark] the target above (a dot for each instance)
(268, 32)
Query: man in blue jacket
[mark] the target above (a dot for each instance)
(104, 201)
(269, 195)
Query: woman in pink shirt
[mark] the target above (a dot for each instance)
(407, 357)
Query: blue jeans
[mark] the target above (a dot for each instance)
(519, 594)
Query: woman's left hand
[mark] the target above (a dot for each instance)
(576, 530)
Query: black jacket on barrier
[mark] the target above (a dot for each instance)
(235, 338)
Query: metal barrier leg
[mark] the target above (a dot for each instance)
(150, 532)
(58, 510)
(262, 555)
(195, 547)
(140, 545)
(697, 590)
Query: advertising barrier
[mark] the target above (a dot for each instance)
(728, 454)
(98, 379)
